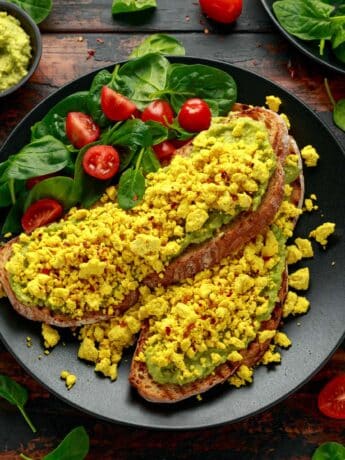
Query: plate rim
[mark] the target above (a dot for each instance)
(147, 425)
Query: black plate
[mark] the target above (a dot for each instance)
(315, 336)
(310, 48)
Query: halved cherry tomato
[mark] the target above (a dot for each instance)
(331, 400)
(195, 115)
(177, 143)
(160, 111)
(115, 106)
(81, 129)
(30, 183)
(101, 161)
(225, 11)
(164, 151)
(42, 212)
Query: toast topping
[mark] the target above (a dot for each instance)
(91, 260)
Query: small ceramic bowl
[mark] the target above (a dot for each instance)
(33, 31)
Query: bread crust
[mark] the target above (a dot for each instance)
(196, 258)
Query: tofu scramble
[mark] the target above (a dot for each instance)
(93, 258)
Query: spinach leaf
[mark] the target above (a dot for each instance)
(213, 85)
(141, 78)
(60, 188)
(87, 190)
(306, 19)
(15, 394)
(329, 451)
(101, 79)
(37, 9)
(338, 36)
(159, 43)
(42, 156)
(12, 222)
(132, 133)
(6, 198)
(177, 132)
(131, 188)
(54, 121)
(131, 6)
(75, 446)
(340, 52)
(159, 132)
(149, 162)
(339, 114)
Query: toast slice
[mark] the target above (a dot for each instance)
(229, 239)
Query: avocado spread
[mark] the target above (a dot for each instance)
(15, 51)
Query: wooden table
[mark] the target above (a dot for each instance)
(79, 37)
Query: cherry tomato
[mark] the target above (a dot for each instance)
(225, 11)
(177, 143)
(331, 400)
(30, 183)
(42, 212)
(195, 115)
(115, 106)
(81, 129)
(101, 161)
(164, 151)
(159, 111)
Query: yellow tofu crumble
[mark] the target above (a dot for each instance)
(70, 379)
(51, 336)
(273, 103)
(310, 156)
(322, 233)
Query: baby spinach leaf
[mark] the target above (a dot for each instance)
(37, 9)
(5, 192)
(75, 446)
(338, 36)
(159, 43)
(149, 162)
(159, 132)
(213, 85)
(177, 132)
(12, 222)
(101, 79)
(132, 133)
(15, 394)
(339, 114)
(141, 78)
(340, 52)
(329, 451)
(54, 121)
(60, 188)
(42, 156)
(131, 188)
(305, 19)
(131, 6)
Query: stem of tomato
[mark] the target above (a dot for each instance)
(329, 93)
(12, 192)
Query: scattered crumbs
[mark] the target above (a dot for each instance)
(80, 39)
(28, 342)
(69, 379)
(90, 54)
(199, 397)
(333, 263)
(187, 18)
(322, 232)
(46, 352)
(100, 40)
(50, 336)
(8, 235)
(39, 357)
(310, 156)
(63, 344)
(206, 31)
(298, 324)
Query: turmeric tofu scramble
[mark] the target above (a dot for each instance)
(93, 258)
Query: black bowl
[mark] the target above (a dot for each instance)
(33, 31)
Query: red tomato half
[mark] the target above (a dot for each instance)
(159, 111)
(195, 115)
(42, 212)
(81, 129)
(115, 106)
(331, 399)
(164, 151)
(225, 11)
(101, 161)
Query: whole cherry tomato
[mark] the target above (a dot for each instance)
(195, 115)
(225, 11)
(101, 161)
(42, 212)
(164, 151)
(331, 400)
(159, 111)
(81, 129)
(115, 106)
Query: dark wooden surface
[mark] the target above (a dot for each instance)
(292, 429)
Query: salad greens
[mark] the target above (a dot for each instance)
(143, 79)
(15, 394)
(314, 20)
(132, 6)
(338, 108)
(37, 9)
(75, 446)
(329, 451)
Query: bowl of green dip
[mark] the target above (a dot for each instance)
(20, 47)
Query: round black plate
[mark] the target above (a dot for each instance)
(315, 336)
(310, 48)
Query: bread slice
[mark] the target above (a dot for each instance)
(229, 239)
(152, 391)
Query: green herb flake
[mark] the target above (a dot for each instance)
(159, 43)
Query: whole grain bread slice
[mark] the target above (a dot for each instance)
(229, 239)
